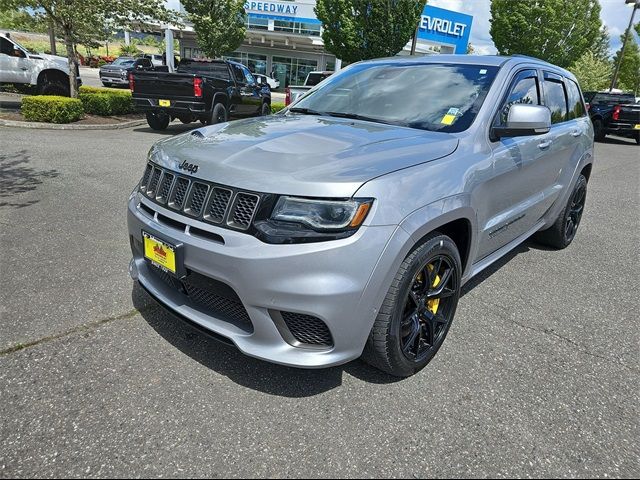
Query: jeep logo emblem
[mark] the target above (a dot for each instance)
(189, 167)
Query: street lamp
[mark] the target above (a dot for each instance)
(636, 6)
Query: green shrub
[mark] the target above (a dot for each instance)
(276, 107)
(114, 91)
(51, 108)
(106, 101)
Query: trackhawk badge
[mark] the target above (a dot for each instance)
(189, 167)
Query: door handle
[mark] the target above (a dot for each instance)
(576, 133)
(24, 68)
(545, 145)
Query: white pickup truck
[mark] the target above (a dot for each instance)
(29, 71)
(293, 92)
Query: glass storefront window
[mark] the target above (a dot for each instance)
(254, 23)
(292, 71)
(297, 27)
(256, 63)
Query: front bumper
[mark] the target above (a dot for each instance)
(115, 80)
(340, 282)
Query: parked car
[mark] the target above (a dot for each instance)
(292, 93)
(156, 59)
(347, 224)
(614, 113)
(206, 91)
(29, 71)
(117, 73)
(272, 82)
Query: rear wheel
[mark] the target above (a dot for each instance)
(218, 115)
(158, 121)
(266, 109)
(418, 309)
(564, 230)
(598, 130)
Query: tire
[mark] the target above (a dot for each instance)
(598, 130)
(390, 347)
(54, 87)
(158, 121)
(637, 137)
(185, 120)
(218, 115)
(266, 109)
(563, 231)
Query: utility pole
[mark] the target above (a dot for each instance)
(414, 42)
(636, 6)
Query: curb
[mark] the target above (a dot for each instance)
(68, 126)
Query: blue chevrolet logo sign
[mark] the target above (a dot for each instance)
(442, 26)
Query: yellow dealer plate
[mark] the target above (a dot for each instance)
(164, 103)
(159, 252)
(637, 127)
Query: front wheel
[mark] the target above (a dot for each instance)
(418, 309)
(563, 231)
(266, 109)
(158, 121)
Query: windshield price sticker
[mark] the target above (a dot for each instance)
(451, 116)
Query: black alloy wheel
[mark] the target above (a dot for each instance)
(574, 212)
(429, 308)
(418, 309)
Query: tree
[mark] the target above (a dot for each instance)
(629, 74)
(601, 47)
(355, 30)
(78, 20)
(593, 73)
(558, 31)
(219, 24)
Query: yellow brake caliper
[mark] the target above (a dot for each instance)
(434, 303)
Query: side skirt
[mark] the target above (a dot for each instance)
(476, 268)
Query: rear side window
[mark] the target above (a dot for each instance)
(576, 107)
(524, 89)
(555, 97)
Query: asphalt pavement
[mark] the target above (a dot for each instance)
(539, 375)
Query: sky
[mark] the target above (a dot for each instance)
(615, 15)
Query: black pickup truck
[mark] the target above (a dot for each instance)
(614, 113)
(210, 91)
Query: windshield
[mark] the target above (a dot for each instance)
(436, 97)
(123, 61)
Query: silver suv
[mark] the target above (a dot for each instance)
(346, 225)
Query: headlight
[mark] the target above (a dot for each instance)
(302, 220)
(322, 215)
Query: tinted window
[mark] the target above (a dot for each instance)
(428, 96)
(6, 46)
(238, 73)
(555, 98)
(576, 107)
(315, 78)
(248, 77)
(612, 99)
(215, 69)
(146, 63)
(524, 90)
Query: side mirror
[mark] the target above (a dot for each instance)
(525, 120)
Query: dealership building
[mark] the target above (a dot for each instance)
(283, 38)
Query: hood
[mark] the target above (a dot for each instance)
(304, 155)
(60, 62)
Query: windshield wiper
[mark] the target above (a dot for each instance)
(355, 116)
(306, 111)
